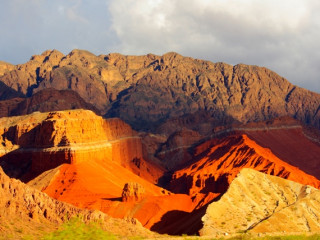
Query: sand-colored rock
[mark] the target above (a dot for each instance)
(5, 67)
(24, 77)
(261, 203)
(27, 211)
(219, 161)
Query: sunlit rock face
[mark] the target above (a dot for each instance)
(42, 141)
(146, 91)
(260, 203)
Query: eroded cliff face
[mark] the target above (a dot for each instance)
(261, 203)
(38, 142)
(146, 91)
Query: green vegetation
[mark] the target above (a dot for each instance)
(76, 229)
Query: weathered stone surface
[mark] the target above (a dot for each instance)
(132, 191)
(146, 91)
(37, 142)
(262, 203)
(5, 67)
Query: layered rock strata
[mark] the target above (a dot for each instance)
(38, 142)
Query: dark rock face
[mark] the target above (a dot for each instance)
(44, 101)
(147, 91)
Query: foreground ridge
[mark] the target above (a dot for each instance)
(261, 203)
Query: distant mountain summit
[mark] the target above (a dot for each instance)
(147, 91)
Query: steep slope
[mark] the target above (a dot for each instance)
(25, 210)
(245, 93)
(294, 146)
(219, 161)
(262, 203)
(139, 89)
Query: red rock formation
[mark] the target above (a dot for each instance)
(47, 140)
(215, 168)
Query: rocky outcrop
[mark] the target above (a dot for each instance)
(218, 162)
(25, 77)
(244, 93)
(31, 210)
(261, 203)
(146, 91)
(5, 67)
(132, 192)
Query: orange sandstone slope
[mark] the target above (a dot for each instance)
(35, 213)
(219, 161)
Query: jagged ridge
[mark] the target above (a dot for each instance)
(139, 89)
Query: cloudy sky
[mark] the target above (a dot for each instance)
(281, 35)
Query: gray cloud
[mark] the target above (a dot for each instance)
(281, 35)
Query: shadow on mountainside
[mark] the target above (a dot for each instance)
(180, 222)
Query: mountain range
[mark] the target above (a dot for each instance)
(170, 143)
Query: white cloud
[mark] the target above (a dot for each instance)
(281, 35)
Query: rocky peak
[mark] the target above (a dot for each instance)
(139, 89)
(5, 67)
